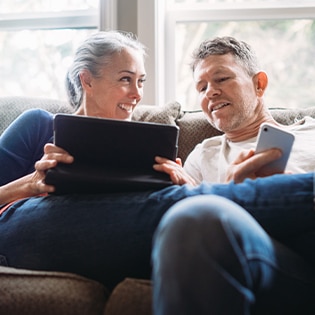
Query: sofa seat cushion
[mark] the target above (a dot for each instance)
(37, 292)
(131, 297)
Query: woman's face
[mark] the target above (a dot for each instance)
(118, 90)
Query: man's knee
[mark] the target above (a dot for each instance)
(194, 220)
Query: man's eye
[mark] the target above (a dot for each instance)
(222, 79)
(202, 89)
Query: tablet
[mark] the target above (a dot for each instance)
(111, 155)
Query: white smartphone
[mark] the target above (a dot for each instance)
(271, 136)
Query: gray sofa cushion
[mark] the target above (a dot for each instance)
(287, 117)
(131, 297)
(12, 107)
(167, 114)
(37, 292)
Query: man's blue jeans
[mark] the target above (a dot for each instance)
(210, 256)
(109, 237)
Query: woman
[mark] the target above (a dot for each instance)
(105, 80)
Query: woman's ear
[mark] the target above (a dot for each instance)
(261, 82)
(86, 79)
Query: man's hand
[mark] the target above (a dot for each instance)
(174, 170)
(249, 165)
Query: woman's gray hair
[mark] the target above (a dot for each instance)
(242, 52)
(93, 54)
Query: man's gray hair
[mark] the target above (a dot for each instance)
(242, 52)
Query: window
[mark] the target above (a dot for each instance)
(38, 40)
(281, 32)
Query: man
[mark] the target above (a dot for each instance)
(231, 90)
(210, 255)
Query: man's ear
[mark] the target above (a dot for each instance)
(261, 82)
(86, 79)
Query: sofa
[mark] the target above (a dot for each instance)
(30, 292)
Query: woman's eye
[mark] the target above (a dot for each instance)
(125, 79)
(141, 81)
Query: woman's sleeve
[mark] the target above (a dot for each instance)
(21, 144)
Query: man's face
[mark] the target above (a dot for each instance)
(227, 94)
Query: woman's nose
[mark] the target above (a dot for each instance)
(136, 92)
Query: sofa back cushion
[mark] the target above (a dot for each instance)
(167, 114)
(194, 127)
(12, 107)
(289, 116)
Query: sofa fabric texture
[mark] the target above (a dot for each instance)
(38, 292)
(35, 292)
(131, 297)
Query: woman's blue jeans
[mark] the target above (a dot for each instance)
(109, 237)
(211, 256)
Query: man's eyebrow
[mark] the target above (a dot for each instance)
(199, 83)
(221, 70)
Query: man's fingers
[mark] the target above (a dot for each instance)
(261, 159)
(243, 156)
(250, 167)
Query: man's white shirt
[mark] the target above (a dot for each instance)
(210, 159)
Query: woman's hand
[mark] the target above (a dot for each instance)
(52, 156)
(174, 170)
(249, 165)
(34, 184)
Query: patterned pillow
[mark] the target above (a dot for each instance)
(167, 114)
(289, 116)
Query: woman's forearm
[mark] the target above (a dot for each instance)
(20, 188)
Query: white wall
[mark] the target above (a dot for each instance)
(136, 16)
(127, 15)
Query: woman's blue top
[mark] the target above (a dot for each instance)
(22, 143)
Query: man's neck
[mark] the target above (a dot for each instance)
(251, 129)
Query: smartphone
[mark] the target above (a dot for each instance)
(269, 137)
